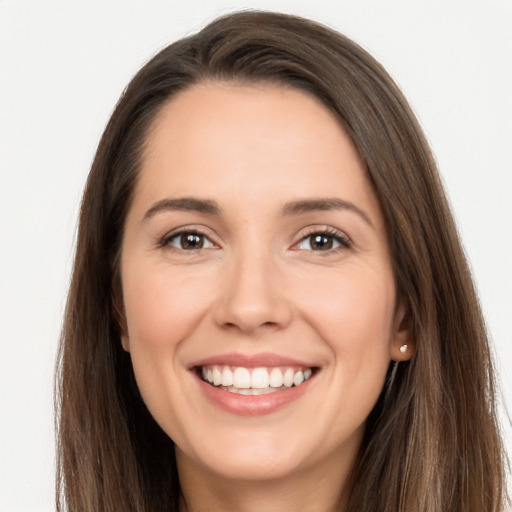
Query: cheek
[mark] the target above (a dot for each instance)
(353, 301)
(162, 307)
(353, 313)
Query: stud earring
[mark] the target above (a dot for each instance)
(403, 349)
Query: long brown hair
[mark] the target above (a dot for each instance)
(432, 441)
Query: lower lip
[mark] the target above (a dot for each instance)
(252, 405)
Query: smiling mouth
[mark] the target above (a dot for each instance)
(254, 381)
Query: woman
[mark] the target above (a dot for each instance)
(270, 307)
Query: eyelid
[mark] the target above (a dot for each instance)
(342, 238)
(163, 241)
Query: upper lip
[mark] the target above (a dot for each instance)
(264, 359)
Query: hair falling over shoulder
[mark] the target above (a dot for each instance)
(432, 442)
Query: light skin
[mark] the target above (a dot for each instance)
(288, 256)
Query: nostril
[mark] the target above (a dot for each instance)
(247, 326)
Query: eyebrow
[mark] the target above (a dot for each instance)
(315, 205)
(184, 204)
(292, 208)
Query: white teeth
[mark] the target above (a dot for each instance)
(216, 376)
(276, 378)
(251, 392)
(259, 378)
(256, 381)
(232, 389)
(227, 377)
(241, 378)
(288, 378)
(259, 391)
(298, 378)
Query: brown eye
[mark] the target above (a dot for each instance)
(321, 242)
(188, 241)
(324, 241)
(191, 241)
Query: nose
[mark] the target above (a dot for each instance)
(252, 296)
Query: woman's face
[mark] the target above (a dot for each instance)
(260, 303)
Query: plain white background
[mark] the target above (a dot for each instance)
(63, 66)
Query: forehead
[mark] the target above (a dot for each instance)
(226, 140)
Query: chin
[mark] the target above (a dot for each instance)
(259, 456)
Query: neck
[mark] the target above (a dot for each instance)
(310, 489)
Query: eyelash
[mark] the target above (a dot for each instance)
(328, 232)
(165, 241)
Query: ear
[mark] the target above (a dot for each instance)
(119, 316)
(403, 344)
